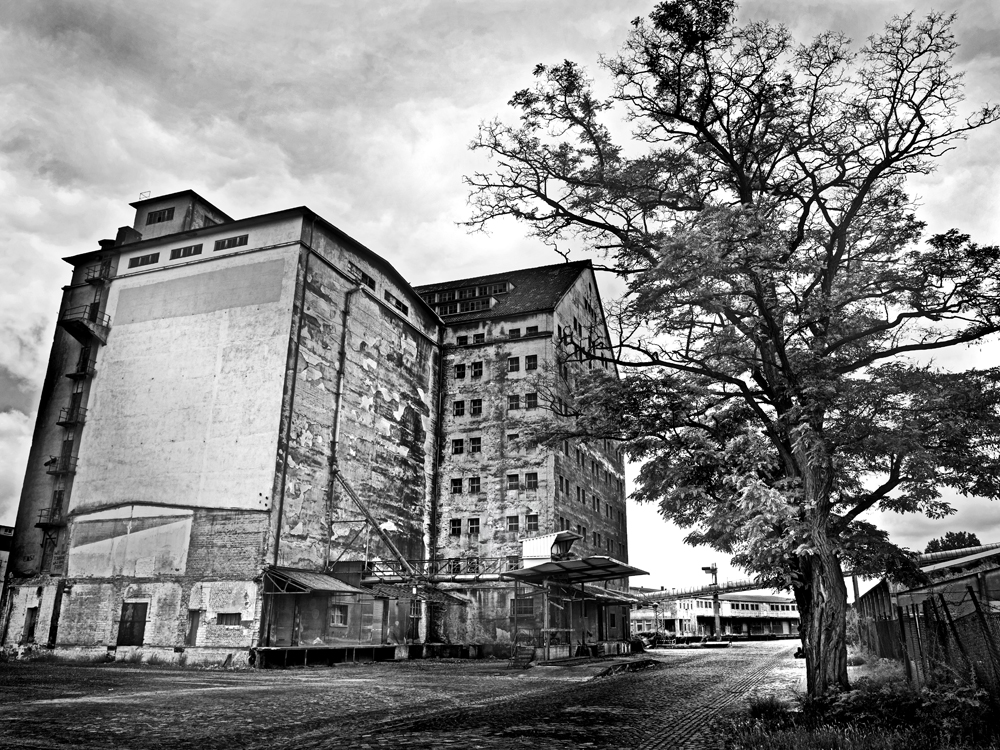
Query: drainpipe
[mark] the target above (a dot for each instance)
(337, 408)
(433, 551)
(291, 406)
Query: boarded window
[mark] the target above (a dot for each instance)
(132, 626)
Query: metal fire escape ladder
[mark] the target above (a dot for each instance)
(366, 512)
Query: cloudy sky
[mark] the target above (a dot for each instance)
(361, 110)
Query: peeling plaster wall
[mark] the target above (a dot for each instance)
(388, 413)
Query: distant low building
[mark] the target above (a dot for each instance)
(740, 614)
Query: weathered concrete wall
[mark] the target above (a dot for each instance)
(387, 417)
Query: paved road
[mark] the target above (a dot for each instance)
(393, 705)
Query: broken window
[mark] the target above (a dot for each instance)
(458, 446)
(531, 362)
(459, 371)
(462, 340)
(479, 338)
(477, 369)
(531, 522)
(513, 364)
(30, 623)
(365, 279)
(459, 408)
(396, 302)
(456, 486)
(513, 481)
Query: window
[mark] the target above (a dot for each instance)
(513, 364)
(477, 369)
(531, 480)
(158, 217)
(479, 338)
(462, 341)
(513, 523)
(231, 242)
(456, 527)
(144, 260)
(458, 446)
(395, 302)
(459, 371)
(458, 408)
(512, 437)
(456, 486)
(530, 400)
(185, 252)
(531, 522)
(466, 293)
(513, 562)
(227, 618)
(514, 333)
(338, 615)
(513, 402)
(473, 527)
(474, 485)
(531, 362)
(531, 330)
(477, 407)
(475, 445)
(361, 276)
(522, 607)
(513, 481)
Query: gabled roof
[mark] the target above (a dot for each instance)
(533, 290)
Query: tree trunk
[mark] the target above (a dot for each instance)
(822, 601)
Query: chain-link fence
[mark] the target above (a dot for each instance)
(948, 631)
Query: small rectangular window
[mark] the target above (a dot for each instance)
(531, 362)
(475, 445)
(479, 338)
(361, 276)
(530, 400)
(185, 252)
(531, 522)
(338, 615)
(458, 446)
(522, 607)
(473, 527)
(531, 330)
(512, 437)
(393, 300)
(477, 407)
(458, 408)
(531, 480)
(477, 369)
(462, 341)
(228, 618)
(231, 242)
(514, 333)
(144, 260)
(456, 486)
(157, 217)
(513, 523)
(513, 402)
(459, 371)
(513, 364)
(513, 481)
(474, 485)
(456, 527)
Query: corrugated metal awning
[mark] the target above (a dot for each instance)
(293, 581)
(426, 593)
(586, 570)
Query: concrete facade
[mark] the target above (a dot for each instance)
(740, 614)
(210, 384)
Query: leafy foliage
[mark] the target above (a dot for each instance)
(953, 540)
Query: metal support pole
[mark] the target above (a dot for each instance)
(545, 617)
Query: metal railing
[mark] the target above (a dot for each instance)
(50, 516)
(444, 567)
(89, 313)
(71, 415)
(61, 465)
(98, 272)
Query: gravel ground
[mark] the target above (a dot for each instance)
(426, 704)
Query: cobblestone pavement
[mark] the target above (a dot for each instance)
(432, 704)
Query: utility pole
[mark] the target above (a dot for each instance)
(714, 572)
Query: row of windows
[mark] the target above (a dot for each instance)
(513, 365)
(513, 524)
(513, 483)
(514, 401)
(450, 295)
(475, 408)
(158, 217)
(393, 300)
(185, 252)
(480, 338)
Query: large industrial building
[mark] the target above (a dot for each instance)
(255, 438)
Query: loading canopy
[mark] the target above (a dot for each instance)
(586, 570)
(293, 581)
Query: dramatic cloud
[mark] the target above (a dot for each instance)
(363, 112)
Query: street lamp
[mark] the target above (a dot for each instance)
(714, 572)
